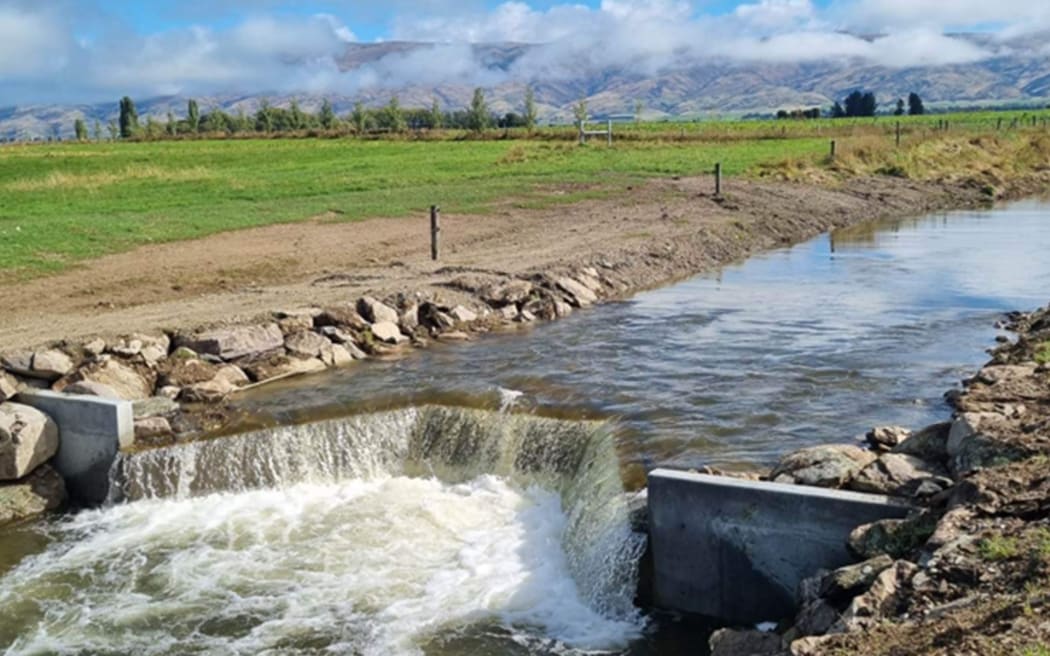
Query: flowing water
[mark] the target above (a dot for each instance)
(376, 518)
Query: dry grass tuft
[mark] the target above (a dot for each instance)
(62, 181)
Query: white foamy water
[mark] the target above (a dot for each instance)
(371, 567)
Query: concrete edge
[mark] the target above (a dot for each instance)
(781, 488)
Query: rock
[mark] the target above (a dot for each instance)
(734, 642)
(211, 391)
(28, 439)
(811, 646)
(151, 429)
(8, 386)
(881, 600)
(307, 344)
(181, 372)
(463, 314)
(91, 388)
(183, 353)
(526, 317)
(590, 280)
(893, 537)
(95, 347)
(884, 438)
(51, 364)
(509, 293)
(822, 466)
(153, 354)
(509, 312)
(40, 492)
(929, 444)
(236, 342)
(433, 317)
(814, 618)
(342, 316)
(376, 312)
(277, 366)
(355, 352)
(157, 406)
(970, 449)
(340, 356)
(580, 295)
(337, 335)
(129, 383)
(20, 363)
(898, 475)
(169, 392)
(951, 527)
(561, 309)
(809, 587)
(847, 582)
(232, 374)
(409, 320)
(127, 348)
(152, 348)
(388, 332)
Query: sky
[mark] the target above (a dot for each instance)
(91, 50)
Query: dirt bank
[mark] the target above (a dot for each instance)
(655, 233)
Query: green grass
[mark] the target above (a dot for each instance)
(1042, 353)
(998, 547)
(65, 203)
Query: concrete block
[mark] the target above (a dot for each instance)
(736, 550)
(91, 431)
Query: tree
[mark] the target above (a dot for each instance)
(327, 115)
(579, 110)
(861, 103)
(837, 111)
(530, 109)
(153, 128)
(98, 130)
(437, 118)
(172, 126)
(639, 107)
(392, 118)
(478, 116)
(359, 118)
(264, 117)
(80, 129)
(129, 118)
(114, 130)
(193, 116)
(297, 120)
(915, 106)
(900, 108)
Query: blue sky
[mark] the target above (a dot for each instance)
(73, 50)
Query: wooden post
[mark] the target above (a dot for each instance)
(832, 149)
(610, 132)
(898, 134)
(435, 228)
(718, 179)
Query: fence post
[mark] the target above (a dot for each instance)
(718, 179)
(898, 134)
(610, 131)
(435, 228)
(832, 149)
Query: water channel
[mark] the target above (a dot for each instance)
(413, 530)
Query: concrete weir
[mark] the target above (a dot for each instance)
(736, 550)
(91, 430)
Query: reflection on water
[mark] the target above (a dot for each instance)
(810, 344)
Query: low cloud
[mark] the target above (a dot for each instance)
(47, 55)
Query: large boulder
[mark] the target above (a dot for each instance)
(929, 444)
(91, 388)
(128, 382)
(308, 344)
(847, 582)
(342, 316)
(8, 386)
(375, 311)
(45, 364)
(897, 474)
(884, 438)
(580, 295)
(822, 466)
(970, 447)
(41, 491)
(235, 342)
(280, 366)
(388, 332)
(28, 439)
(509, 293)
(881, 600)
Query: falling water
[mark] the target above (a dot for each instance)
(389, 533)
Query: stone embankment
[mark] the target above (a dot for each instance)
(969, 571)
(178, 381)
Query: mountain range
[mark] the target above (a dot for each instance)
(1017, 73)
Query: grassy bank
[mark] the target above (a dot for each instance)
(69, 202)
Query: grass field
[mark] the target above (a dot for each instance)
(68, 202)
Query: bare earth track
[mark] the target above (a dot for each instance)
(652, 234)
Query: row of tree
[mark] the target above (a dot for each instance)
(268, 119)
(858, 104)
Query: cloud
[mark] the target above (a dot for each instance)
(75, 51)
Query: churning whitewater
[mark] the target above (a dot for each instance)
(379, 534)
